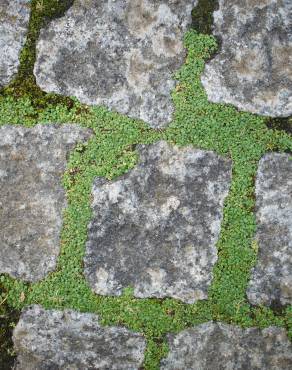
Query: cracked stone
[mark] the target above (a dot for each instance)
(14, 18)
(271, 278)
(156, 227)
(121, 54)
(213, 346)
(253, 69)
(32, 199)
(50, 339)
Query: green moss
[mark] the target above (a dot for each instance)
(111, 152)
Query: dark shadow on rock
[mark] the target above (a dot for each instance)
(280, 123)
(202, 16)
(8, 318)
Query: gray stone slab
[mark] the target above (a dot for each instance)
(253, 69)
(68, 340)
(271, 279)
(32, 198)
(14, 18)
(156, 227)
(218, 346)
(121, 54)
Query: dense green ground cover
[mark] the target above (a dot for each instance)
(243, 137)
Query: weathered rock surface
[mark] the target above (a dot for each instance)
(32, 199)
(14, 18)
(213, 346)
(70, 340)
(271, 280)
(120, 53)
(253, 69)
(155, 228)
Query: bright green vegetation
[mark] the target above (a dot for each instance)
(243, 137)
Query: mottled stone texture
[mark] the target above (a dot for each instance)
(217, 346)
(155, 228)
(32, 162)
(14, 18)
(68, 340)
(271, 280)
(120, 53)
(253, 69)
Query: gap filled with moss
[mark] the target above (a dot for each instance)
(243, 137)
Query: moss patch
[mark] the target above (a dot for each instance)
(243, 137)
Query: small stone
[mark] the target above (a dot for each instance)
(214, 346)
(253, 69)
(14, 18)
(32, 199)
(155, 228)
(70, 340)
(271, 279)
(121, 54)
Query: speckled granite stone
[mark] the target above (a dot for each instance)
(156, 227)
(271, 280)
(14, 18)
(68, 340)
(32, 199)
(120, 53)
(253, 69)
(218, 346)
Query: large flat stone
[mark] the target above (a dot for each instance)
(253, 69)
(271, 280)
(70, 340)
(216, 346)
(32, 199)
(156, 227)
(121, 54)
(14, 18)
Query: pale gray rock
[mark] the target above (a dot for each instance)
(271, 280)
(32, 199)
(69, 340)
(253, 69)
(218, 346)
(14, 18)
(156, 227)
(117, 53)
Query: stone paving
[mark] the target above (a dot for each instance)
(32, 198)
(253, 69)
(271, 280)
(213, 346)
(71, 340)
(155, 228)
(14, 17)
(118, 53)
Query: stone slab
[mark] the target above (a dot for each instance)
(253, 69)
(32, 198)
(121, 54)
(156, 227)
(271, 279)
(68, 340)
(14, 19)
(218, 346)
